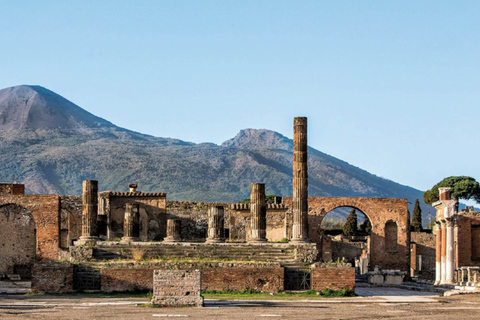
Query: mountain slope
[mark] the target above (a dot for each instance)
(51, 145)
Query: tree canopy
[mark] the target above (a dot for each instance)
(350, 226)
(463, 187)
(416, 224)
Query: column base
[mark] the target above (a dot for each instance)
(215, 240)
(86, 240)
(257, 240)
(129, 239)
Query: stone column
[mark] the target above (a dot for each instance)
(130, 222)
(216, 222)
(174, 229)
(258, 211)
(449, 262)
(89, 211)
(438, 253)
(300, 182)
(443, 251)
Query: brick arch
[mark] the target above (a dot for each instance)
(379, 211)
(17, 239)
(45, 210)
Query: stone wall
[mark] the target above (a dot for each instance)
(17, 240)
(218, 277)
(45, 211)
(152, 213)
(423, 244)
(333, 277)
(52, 277)
(177, 288)
(70, 220)
(380, 212)
(468, 239)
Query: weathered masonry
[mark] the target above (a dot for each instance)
(107, 230)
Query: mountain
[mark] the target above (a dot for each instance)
(51, 145)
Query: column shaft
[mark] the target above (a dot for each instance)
(130, 222)
(438, 253)
(89, 209)
(258, 211)
(300, 181)
(443, 251)
(174, 230)
(216, 222)
(449, 262)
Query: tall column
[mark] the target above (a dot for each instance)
(258, 211)
(443, 251)
(449, 262)
(174, 230)
(89, 210)
(300, 181)
(216, 222)
(438, 253)
(130, 222)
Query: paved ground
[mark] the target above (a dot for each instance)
(373, 303)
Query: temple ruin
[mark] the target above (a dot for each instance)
(117, 239)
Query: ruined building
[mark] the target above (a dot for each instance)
(263, 246)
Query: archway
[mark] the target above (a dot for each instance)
(17, 240)
(379, 211)
(345, 234)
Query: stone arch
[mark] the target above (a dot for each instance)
(379, 211)
(17, 240)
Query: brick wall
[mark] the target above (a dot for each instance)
(333, 277)
(267, 279)
(52, 277)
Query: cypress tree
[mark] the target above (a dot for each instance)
(416, 224)
(350, 226)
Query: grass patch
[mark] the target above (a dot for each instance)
(251, 294)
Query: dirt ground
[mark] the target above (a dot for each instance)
(89, 308)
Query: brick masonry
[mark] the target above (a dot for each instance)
(264, 279)
(333, 277)
(52, 277)
(177, 288)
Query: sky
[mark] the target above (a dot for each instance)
(392, 87)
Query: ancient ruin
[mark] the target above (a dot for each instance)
(118, 239)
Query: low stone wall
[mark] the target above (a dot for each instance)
(220, 278)
(52, 277)
(126, 279)
(333, 277)
(177, 288)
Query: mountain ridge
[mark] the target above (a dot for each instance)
(55, 159)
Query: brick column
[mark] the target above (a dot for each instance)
(449, 262)
(443, 251)
(174, 229)
(300, 182)
(89, 210)
(258, 211)
(216, 222)
(438, 253)
(130, 222)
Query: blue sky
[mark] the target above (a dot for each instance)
(392, 87)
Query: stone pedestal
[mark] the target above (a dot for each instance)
(174, 230)
(216, 222)
(300, 182)
(177, 288)
(89, 211)
(258, 211)
(130, 223)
